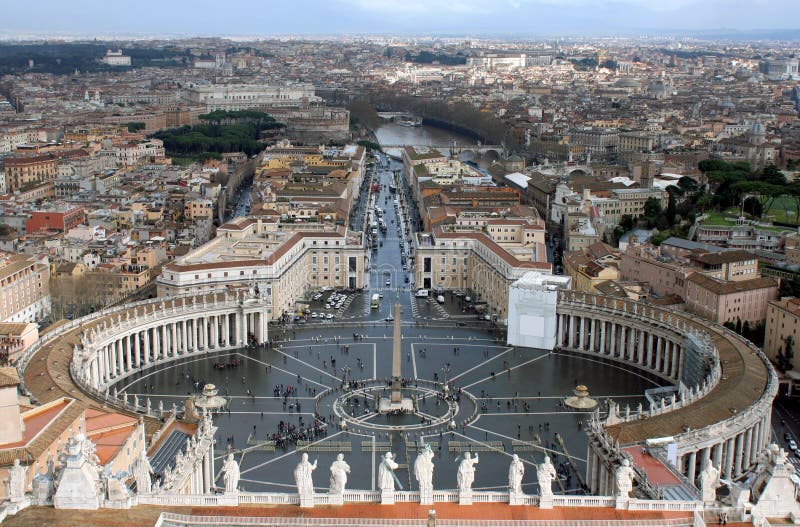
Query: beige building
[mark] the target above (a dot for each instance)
(730, 301)
(15, 338)
(592, 266)
(26, 170)
(284, 261)
(783, 325)
(24, 288)
(459, 258)
(198, 208)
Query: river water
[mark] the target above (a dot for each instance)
(394, 134)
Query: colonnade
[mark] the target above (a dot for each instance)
(657, 341)
(146, 339)
(646, 346)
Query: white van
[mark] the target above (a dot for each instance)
(422, 293)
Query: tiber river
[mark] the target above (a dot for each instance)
(394, 134)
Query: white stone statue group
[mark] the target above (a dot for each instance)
(423, 472)
(387, 480)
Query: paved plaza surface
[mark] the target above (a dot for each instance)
(516, 393)
(315, 388)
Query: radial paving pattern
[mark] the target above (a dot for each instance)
(503, 401)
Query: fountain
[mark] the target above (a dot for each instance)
(581, 399)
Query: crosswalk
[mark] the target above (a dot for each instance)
(440, 313)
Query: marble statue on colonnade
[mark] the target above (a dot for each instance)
(423, 471)
(709, 481)
(465, 478)
(545, 475)
(304, 481)
(231, 469)
(387, 479)
(516, 471)
(339, 471)
(624, 479)
(141, 473)
(17, 476)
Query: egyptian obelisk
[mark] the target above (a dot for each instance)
(397, 392)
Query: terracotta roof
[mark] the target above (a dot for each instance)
(494, 247)
(656, 472)
(147, 515)
(721, 287)
(43, 426)
(724, 257)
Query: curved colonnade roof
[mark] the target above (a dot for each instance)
(744, 379)
(47, 375)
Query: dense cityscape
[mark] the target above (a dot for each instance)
(352, 280)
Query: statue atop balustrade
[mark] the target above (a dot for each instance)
(304, 481)
(142, 470)
(232, 474)
(339, 471)
(423, 471)
(624, 479)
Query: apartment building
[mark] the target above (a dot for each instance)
(454, 257)
(24, 288)
(782, 328)
(60, 218)
(249, 96)
(130, 154)
(730, 301)
(591, 266)
(741, 233)
(25, 170)
(285, 261)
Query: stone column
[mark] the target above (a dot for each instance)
(612, 349)
(648, 359)
(137, 350)
(128, 352)
(676, 360)
(110, 363)
(119, 363)
(581, 332)
(164, 341)
(658, 354)
(716, 455)
(561, 321)
(748, 447)
(602, 337)
(101, 364)
(690, 469)
(146, 347)
(214, 342)
(195, 341)
(729, 453)
(571, 333)
(184, 337)
(225, 320)
(173, 328)
(738, 452)
(95, 373)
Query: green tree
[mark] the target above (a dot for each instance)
(687, 185)
(651, 211)
(135, 126)
(670, 213)
(627, 222)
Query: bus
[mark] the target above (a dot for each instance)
(376, 301)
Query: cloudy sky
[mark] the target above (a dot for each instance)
(425, 17)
